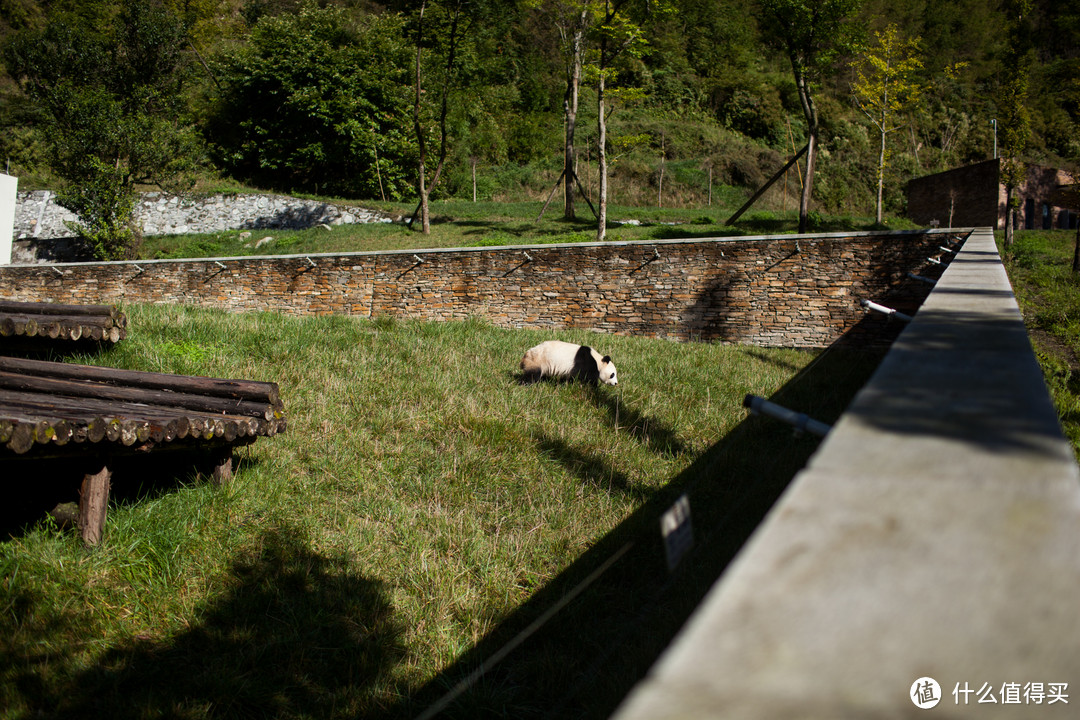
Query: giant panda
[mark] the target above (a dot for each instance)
(558, 359)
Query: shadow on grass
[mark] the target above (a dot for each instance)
(592, 469)
(298, 634)
(583, 660)
(649, 431)
(36, 486)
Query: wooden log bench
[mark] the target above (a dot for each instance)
(61, 410)
(37, 325)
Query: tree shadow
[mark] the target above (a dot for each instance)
(297, 634)
(624, 604)
(658, 437)
(592, 469)
(728, 303)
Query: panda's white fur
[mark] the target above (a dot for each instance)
(555, 358)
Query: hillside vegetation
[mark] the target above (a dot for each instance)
(321, 98)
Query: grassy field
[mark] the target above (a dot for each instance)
(428, 533)
(458, 223)
(422, 510)
(1040, 269)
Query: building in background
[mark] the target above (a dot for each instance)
(973, 196)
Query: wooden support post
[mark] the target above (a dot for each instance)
(93, 503)
(761, 191)
(222, 471)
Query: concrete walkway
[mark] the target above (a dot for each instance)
(935, 534)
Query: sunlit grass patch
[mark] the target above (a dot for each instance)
(419, 497)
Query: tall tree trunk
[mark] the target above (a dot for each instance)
(880, 175)
(421, 187)
(1010, 215)
(601, 126)
(573, 86)
(1076, 251)
(810, 111)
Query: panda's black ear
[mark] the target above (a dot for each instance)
(605, 359)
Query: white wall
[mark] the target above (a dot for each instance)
(8, 190)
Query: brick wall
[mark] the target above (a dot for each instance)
(770, 291)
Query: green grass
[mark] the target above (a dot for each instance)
(421, 509)
(458, 223)
(1039, 266)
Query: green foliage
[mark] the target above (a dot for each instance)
(315, 102)
(885, 88)
(107, 88)
(314, 97)
(104, 203)
(814, 34)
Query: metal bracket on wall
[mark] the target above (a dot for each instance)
(920, 278)
(870, 305)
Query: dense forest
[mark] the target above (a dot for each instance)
(387, 100)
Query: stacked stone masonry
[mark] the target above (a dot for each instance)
(769, 291)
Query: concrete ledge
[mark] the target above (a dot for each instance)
(934, 533)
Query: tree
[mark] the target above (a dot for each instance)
(108, 87)
(316, 101)
(453, 38)
(619, 35)
(1014, 118)
(813, 34)
(573, 19)
(885, 86)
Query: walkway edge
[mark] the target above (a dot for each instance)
(933, 534)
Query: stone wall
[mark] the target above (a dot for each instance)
(800, 291)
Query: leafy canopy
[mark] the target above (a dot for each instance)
(107, 88)
(315, 102)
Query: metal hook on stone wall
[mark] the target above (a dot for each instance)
(802, 422)
(654, 258)
(869, 305)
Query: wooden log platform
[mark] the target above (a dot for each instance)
(52, 410)
(39, 324)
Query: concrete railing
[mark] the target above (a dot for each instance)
(932, 538)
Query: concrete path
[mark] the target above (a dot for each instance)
(935, 534)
